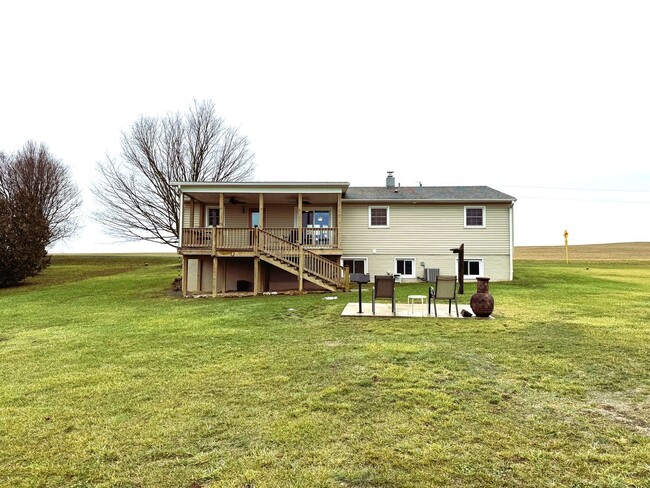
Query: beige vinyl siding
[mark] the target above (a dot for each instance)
(235, 217)
(276, 216)
(427, 232)
(424, 229)
(186, 214)
(279, 216)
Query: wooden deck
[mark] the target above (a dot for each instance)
(273, 246)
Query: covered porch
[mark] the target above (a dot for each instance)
(221, 216)
(269, 234)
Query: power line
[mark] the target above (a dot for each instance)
(574, 189)
(581, 200)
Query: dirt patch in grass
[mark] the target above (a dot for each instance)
(625, 409)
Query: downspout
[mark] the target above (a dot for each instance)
(512, 241)
(180, 218)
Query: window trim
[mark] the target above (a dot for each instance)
(483, 209)
(481, 267)
(370, 209)
(207, 215)
(356, 258)
(413, 269)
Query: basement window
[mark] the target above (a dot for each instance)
(405, 267)
(472, 268)
(356, 265)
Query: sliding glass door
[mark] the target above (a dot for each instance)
(316, 227)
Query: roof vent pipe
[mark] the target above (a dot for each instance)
(390, 180)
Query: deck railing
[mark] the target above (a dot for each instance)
(312, 237)
(241, 238)
(234, 238)
(197, 237)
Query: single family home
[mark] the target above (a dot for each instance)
(276, 236)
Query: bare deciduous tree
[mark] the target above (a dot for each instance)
(135, 192)
(33, 173)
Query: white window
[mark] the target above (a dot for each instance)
(475, 217)
(355, 265)
(473, 267)
(405, 267)
(212, 216)
(379, 217)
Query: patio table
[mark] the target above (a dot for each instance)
(412, 299)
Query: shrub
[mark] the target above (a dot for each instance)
(24, 233)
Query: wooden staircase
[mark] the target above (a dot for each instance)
(297, 260)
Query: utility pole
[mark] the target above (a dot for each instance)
(566, 245)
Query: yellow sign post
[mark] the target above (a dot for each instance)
(566, 245)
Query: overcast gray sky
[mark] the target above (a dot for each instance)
(547, 101)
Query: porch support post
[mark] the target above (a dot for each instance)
(201, 214)
(215, 268)
(299, 218)
(199, 273)
(339, 213)
(191, 211)
(222, 211)
(261, 210)
(301, 267)
(346, 282)
(223, 276)
(256, 275)
(184, 277)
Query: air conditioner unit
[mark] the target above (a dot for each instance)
(398, 278)
(430, 274)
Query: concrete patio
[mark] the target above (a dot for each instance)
(383, 309)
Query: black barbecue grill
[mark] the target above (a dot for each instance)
(359, 278)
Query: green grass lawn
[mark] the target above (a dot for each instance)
(107, 379)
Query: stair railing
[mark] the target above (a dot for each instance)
(302, 259)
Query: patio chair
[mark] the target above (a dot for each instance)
(445, 289)
(384, 289)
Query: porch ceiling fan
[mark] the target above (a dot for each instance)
(234, 201)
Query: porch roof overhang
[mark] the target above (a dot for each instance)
(274, 192)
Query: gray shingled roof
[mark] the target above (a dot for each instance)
(430, 193)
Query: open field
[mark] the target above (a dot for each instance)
(622, 251)
(108, 379)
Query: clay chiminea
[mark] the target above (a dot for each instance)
(482, 302)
